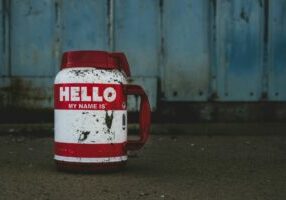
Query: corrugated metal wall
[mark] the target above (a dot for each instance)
(186, 50)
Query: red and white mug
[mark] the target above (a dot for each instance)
(90, 100)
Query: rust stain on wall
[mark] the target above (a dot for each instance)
(23, 94)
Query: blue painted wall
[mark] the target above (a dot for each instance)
(239, 47)
(277, 50)
(188, 50)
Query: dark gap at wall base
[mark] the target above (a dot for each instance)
(175, 112)
(186, 112)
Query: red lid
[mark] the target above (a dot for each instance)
(98, 59)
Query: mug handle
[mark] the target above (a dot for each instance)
(144, 117)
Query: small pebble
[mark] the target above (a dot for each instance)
(21, 139)
(143, 194)
(11, 130)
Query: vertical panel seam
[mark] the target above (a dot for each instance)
(7, 37)
(265, 60)
(213, 51)
(2, 37)
(57, 36)
(162, 52)
(110, 24)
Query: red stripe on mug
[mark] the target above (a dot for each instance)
(90, 150)
(89, 96)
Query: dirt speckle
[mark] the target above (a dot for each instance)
(83, 135)
(77, 72)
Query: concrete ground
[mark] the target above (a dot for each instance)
(199, 161)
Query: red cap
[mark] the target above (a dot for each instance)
(98, 59)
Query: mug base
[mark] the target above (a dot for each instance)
(90, 167)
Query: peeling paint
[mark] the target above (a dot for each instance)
(108, 119)
(77, 72)
(244, 16)
(83, 136)
(123, 121)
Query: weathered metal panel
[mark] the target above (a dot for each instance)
(2, 29)
(4, 38)
(239, 46)
(186, 50)
(137, 33)
(32, 37)
(277, 50)
(198, 50)
(84, 24)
